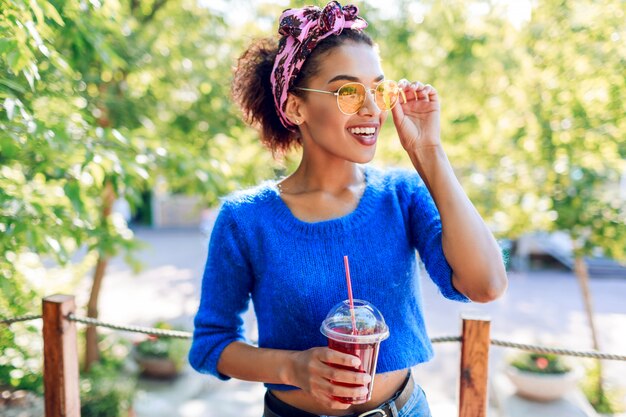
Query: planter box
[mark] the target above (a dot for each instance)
(507, 403)
(542, 387)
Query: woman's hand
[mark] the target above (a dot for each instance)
(417, 119)
(313, 373)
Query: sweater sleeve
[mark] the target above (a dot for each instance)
(425, 234)
(226, 287)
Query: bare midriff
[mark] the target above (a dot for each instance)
(385, 386)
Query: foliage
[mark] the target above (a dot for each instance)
(20, 344)
(108, 388)
(104, 396)
(532, 116)
(94, 93)
(604, 401)
(174, 349)
(577, 143)
(20, 358)
(540, 363)
(98, 94)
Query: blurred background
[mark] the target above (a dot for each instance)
(118, 137)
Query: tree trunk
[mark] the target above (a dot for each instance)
(582, 273)
(92, 353)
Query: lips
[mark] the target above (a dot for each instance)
(365, 134)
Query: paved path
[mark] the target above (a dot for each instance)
(541, 307)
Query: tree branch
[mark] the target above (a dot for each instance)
(157, 5)
(134, 4)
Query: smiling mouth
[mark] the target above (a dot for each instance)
(365, 135)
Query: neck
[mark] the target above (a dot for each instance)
(332, 176)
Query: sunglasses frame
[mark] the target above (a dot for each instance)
(372, 91)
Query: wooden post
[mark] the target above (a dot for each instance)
(474, 366)
(61, 384)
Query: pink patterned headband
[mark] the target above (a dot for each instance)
(301, 30)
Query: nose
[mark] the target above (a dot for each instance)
(369, 107)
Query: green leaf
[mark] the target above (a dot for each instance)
(73, 192)
(12, 85)
(36, 10)
(7, 45)
(52, 13)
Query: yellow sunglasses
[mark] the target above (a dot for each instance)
(351, 96)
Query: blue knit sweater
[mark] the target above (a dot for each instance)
(293, 270)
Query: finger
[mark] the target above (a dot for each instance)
(423, 94)
(402, 86)
(432, 93)
(398, 113)
(409, 91)
(345, 376)
(336, 390)
(340, 358)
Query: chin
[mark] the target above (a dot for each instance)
(365, 157)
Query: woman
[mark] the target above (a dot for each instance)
(282, 243)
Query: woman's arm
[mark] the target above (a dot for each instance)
(468, 244)
(308, 370)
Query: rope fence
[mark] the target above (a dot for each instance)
(558, 351)
(441, 339)
(19, 319)
(133, 329)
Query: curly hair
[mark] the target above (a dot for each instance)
(252, 90)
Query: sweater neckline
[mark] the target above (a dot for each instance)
(344, 223)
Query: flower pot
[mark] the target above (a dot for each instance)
(542, 386)
(163, 368)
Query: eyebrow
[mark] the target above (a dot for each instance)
(352, 78)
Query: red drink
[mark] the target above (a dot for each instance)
(356, 331)
(367, 352)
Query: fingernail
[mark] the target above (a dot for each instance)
(356, 362)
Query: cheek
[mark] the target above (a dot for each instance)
(328, 116)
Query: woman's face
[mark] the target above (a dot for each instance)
(326, 128)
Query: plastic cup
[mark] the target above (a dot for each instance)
(371, 329)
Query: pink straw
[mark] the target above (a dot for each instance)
(345, 262)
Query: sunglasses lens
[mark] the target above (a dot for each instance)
(351, 97)
(387, 94)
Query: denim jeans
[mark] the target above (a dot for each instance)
(416, 406)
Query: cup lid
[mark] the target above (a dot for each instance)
(370, 324)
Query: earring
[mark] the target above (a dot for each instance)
(297, 122)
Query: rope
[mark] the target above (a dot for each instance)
(559, 351)
(134, 329)
(442, 339)
(445, 339)
(18, 319)
(539, 349)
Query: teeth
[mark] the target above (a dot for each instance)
(363, 130)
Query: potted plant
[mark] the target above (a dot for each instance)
(161, 357)
(542, 377)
